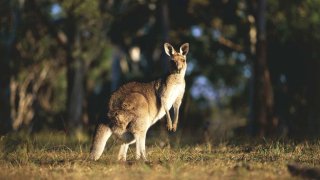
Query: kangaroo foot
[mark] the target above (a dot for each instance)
(174, 128)
(169, 126)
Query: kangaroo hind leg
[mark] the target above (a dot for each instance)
(128, 139)
(141, 146)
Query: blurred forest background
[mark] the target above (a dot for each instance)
(253, 65)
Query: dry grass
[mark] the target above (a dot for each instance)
(56, 156)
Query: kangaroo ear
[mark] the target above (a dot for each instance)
(184, 49)
(169, 49)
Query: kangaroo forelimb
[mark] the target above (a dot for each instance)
(169, 121)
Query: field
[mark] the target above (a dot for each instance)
(57, 156)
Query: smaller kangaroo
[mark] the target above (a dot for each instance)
(136, 106)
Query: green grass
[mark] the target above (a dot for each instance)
(57, 156)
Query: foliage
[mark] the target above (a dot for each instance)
(293, 62)
(51, 38)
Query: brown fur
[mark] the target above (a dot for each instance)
(135, 106)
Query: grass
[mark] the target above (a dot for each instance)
(57, 156)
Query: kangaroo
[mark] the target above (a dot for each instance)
(135, 107)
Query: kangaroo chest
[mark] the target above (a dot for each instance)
(173, 93)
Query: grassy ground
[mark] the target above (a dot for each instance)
(56, 156)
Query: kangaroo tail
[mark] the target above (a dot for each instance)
(102, 134)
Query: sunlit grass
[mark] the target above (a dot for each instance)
(58, 156)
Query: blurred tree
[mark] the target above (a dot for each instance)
(82, 26)
(8, 27)
(294, 64)
(262, 106)
(52, 31)
(30, 69)
(64, 46)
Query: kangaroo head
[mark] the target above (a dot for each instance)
(178, 62)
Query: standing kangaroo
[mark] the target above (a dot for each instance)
(135, 106)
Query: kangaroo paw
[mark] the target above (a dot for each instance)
(174, 128)
(169, 126)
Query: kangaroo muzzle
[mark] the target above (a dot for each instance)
(176, 66)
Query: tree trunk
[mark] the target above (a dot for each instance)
(5, 106)
(75, 94)
(116, 71)
(76, 82)
(8, 27)
(262, 109)
(165, 32)
(313, 97)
